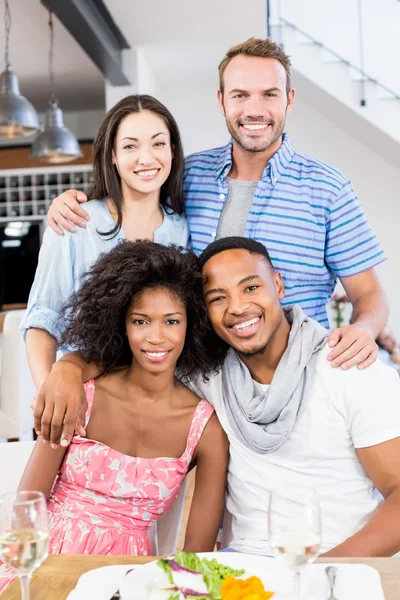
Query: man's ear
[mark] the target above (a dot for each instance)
(290, 101)
(220, 97)
(280, 288)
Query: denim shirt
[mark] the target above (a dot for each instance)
(64, 259)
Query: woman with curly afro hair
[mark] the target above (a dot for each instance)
(140, 318)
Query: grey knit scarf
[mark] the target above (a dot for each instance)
(263, 422)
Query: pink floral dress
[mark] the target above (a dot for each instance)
(103, 501)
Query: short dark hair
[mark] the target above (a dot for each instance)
(234, 243)
(106, 180)
(95, 315)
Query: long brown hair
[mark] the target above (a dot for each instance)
(106, 179)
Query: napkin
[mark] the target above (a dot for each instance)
(353, 582)
(99, 583)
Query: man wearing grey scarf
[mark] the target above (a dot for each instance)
(264, 421)
(292, 420)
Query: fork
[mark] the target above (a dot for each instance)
(331, 574)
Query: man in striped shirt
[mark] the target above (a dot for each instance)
(304, 211)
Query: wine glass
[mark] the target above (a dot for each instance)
(294, 526)
(24, 534)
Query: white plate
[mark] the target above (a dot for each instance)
(353, 582)
(101, 583)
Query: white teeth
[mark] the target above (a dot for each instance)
(246, 324)
(254, 127)
(147, 174)
(156, 354)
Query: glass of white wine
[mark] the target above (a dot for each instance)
(24, 535)
(294, 526)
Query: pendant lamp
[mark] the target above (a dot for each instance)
(18, 118)
(56, 144)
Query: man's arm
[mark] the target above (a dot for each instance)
(355, 344)
(381, 535)
(41, 351)
(66, 210)
(61, 403)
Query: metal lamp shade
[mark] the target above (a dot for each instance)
(56, 144)
(18, 118)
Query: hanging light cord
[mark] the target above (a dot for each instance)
(53, 97)
(7, 27)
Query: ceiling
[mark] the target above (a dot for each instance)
(79, 83)
(183, 42)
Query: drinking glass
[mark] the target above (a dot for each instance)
(24, 534)
(294, 526)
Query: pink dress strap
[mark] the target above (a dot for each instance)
(201, 416)
(89, 391)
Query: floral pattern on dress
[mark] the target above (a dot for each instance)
(104, 502)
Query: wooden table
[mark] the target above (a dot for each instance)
(58, 574)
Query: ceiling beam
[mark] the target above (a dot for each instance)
(91, 24)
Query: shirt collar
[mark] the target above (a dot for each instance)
(224, 161)
(277, 164)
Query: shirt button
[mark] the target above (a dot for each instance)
(222, 196)
(213, 233)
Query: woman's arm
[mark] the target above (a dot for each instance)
(41, 351)
(53, 284)
(212, 455)
(41, 469)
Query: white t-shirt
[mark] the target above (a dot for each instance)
(347, 410)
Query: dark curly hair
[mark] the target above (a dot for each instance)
(95, 314)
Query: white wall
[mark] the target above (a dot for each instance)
(336, 25)
(197, 113)
(376, 183)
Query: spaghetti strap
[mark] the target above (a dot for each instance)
(201, 416)
(89, 391)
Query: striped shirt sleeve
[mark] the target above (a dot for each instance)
(351, 246)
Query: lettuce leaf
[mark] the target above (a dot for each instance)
(166, 567)
(189, 560)
(213, 572)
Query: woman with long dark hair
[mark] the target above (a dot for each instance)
(137, 194)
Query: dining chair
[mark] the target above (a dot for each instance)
(13, 459)
(16, 384)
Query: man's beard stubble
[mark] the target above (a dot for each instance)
(257, 351)
(276, 133)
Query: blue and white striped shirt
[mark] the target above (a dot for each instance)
(305, 212)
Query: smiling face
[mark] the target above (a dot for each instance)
(243, 295)
(142, 152)
(156, 328)
(255, 102)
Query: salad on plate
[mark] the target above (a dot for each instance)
(193, 578)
